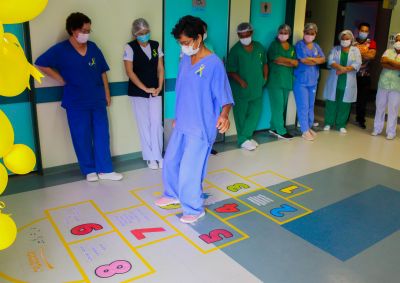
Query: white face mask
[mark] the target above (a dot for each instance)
(396, 45)
(188, 50)
(283, 37)
(245, 41)
(309, 38)
(345, 43)
(82, 37)
(204, 36)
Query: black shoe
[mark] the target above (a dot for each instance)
(286, 136)
(214, 152)
(272, 132)
(362, 125)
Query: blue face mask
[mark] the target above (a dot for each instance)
(362, 35)
(143, 38)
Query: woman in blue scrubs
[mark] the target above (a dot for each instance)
(306, 76)
(202, 90)
(80, 67)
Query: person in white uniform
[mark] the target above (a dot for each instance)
(143, 59)
(388, 92)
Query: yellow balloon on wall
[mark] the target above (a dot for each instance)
(19, 11)
(3, 178)
(20, 160)
(8, 231)
(6, 134)
(15, 70)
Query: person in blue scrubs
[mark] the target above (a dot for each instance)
(306, 76)
(203, 101)
(80, 67)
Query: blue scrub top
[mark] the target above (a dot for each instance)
(201, 90)
(305, 74)
(84, 88)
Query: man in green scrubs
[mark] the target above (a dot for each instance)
(281, 61)
(248, 71)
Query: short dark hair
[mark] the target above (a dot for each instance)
(76, 21)
(205, 25)
(189, 26)
(364, 24)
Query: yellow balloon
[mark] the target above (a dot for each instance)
(8, 231)
(6, 134)
(20, 160)
(19, 11)
(15, 70)
(3, 178)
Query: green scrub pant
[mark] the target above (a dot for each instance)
(247, 114)
(278, 98)
(337, 112)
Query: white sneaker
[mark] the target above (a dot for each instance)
(248, 145)
(327, 128)
(343, 130)
(390, 137)
(113, 176)
(254, 142)
(191, 218)
(160, 163)
(152, 164)
(374, 133)
(316, 124)
(92, 177)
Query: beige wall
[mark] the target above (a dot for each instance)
(240, 12)
(323, 13)
(111, 24)
(298, 25)
(395, 20)
(111, 30)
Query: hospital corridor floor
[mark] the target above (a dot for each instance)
(290, 211)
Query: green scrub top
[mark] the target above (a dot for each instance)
(341, 82)
(249, 66)
(280, 76)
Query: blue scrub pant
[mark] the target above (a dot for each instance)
(185, 164)
(305, 99)
(91, 139)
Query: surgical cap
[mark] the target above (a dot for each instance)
(244, 27)
(139, 25)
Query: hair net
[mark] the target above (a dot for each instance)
(286, 28)
(139, 25)
(310, 26)
(347, 32)
(244, 27)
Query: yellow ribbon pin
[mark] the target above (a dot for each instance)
(200, 70)
(93, 62)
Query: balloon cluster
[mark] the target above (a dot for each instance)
(15, 72)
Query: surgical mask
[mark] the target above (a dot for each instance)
(245, 41)
(362, 35)
(345, 43)
(283, 37)
(82, 37)
(309, 38)
(204, 36)
(396, 45)
(188, 50)
(143, 38)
